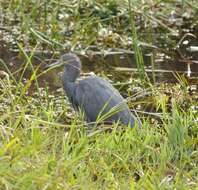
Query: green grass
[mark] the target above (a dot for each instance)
(43, 147)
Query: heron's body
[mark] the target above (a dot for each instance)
(95, 96)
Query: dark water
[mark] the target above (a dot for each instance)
(118, 64)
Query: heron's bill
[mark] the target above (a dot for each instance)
(54, 65)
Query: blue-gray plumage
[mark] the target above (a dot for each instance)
(95, 96)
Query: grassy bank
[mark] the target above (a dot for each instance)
(46, 146)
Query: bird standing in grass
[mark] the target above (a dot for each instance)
(94, 96)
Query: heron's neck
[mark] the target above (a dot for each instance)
(69, 85)
(70, 75)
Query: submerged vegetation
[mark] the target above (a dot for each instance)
(45, 145)
(106, 23)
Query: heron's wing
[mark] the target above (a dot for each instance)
(95, 95)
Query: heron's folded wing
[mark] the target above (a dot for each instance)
(95, 95)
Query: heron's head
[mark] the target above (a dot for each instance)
(72, 66)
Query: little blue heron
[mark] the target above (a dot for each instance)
(94, 96)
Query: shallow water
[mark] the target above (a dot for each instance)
(116, 64)
(120, 65)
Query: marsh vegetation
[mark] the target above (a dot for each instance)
(142, 49)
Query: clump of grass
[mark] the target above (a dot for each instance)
(41, 147)
(136, 48)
